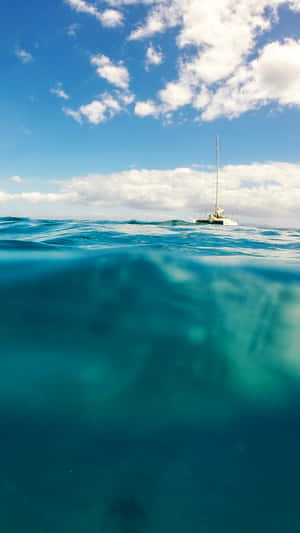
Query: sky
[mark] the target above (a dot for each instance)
(110, 108)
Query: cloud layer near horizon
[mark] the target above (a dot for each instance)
(250, 190)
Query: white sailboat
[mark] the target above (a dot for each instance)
(217, 217)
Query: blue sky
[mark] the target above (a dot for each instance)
(112, 107)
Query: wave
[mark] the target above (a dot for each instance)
(19, 245)
(176, 236)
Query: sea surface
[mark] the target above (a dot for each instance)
(149, 378)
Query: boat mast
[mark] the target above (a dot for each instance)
(217, 174)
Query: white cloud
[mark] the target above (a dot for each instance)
(58, 91)
(145, 109)
(175, 95)
(153, 57)
(94, 112)
(109, 17)
(76, 115)
(97, 111)
(216, 43)
(112, 18)
(6, 197)
(162, 16)
(277, 72)
(222, 69)
(23, 55)
(84, 7)
(125, 97)
(258, 190)
(273, 76)
(119, 3)
(37, 197)
(111, 103)
(116, 74)
(16, 179)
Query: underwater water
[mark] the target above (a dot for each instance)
(149, 378)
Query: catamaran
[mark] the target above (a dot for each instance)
(217, 217)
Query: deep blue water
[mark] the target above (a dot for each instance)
(149, 378)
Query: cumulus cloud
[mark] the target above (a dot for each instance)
(109, 17)
(251, 190)
(145, 109)
(154, 57)
(94, 112)
(222, 69)
(125, 97)
(105, 107)
(162, 16)
(119, 3)
(76, 115)
(116, 74)
(84, 7)
(98, 111)
(23, 55)
(257, 188)
(175, 95)
(217, 43)
(272, 77)
(58, 91)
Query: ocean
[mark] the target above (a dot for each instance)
(149, 377)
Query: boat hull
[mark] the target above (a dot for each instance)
(224, 221)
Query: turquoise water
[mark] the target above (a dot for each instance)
(149, 378)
